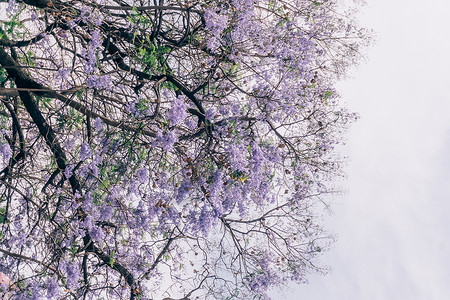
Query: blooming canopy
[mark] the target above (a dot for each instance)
(157, 149)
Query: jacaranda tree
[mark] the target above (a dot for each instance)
(158, 149)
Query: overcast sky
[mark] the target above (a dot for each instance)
(393, 224)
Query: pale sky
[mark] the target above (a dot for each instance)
(393, 223)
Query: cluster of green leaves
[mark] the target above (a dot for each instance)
(152, 56)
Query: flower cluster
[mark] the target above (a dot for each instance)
(5, 151)
(177, 112)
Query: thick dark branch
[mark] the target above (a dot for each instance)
(186, 92)
(23, 81)
(135, 291)
(38, 3)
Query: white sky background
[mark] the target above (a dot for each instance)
(394, 225)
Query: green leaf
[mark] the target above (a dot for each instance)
(111, 259)
(3, 219)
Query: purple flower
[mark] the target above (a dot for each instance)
(190, 123)
(98, 123)
(73, 274)
(205, 220)
(257, 156)
(142, 175)
(215, 23)
(52, 288)
(178, 111)
(85, 151)
(237, 157)
(99, 82)
(95, 40)
(6, 152)
(96, 233)
(62, 74)
(210, 113)
(12, 7)
(183, 190)
(91, 62)
(35, 291)
(85, 13)
(106, 212)
(167, 140)
(68, 171)
(260, 281)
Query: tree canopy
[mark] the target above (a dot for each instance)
(156, 149)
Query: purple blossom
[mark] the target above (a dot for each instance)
(257, 156)
(85, 151)
(142, 175)
(84, 170)
(96, 233)
(131, 107)
(205, 220)
(5, 151)
(178, 111)
(183, 190)
(69, 144)
(89, 67)
(52, 287)
(90, 64)
(237, 157)
(224, 110)
(95, 40)
(85, 13)
(139, 107)
(133, 188)
(239, 170)
(167, 140)
(190, 123)
(98, 123)
(12, 7)
(261, 280)
(99, 82)
(106, 212)
(216, 186)
(61, 77)
(210, 113)
(73, 274)
(98, 19)
(35, 291)
(94, 169)
(68, 171)
(215, 23)
(62, 73)
(87, 203)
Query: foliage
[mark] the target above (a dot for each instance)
(166, 148)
